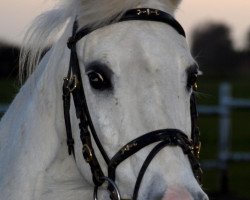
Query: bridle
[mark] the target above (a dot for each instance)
(165, 137)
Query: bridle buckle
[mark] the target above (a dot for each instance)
(87, 153)
(71, 83)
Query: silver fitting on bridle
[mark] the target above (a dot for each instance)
(116, 194)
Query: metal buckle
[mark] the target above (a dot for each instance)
(110, 181)
(147, 11)
(71, 83)
(87, 153)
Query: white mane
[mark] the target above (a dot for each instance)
(46, 28)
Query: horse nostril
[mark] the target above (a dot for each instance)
(177, 193)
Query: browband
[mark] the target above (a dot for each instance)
(143, 14)
(149, 14)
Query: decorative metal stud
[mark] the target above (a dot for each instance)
(147, 11)
(195, 87)
(128, 147)
(197, 149)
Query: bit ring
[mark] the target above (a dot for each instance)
(110, 181)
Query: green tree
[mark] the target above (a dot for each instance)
(213, 49)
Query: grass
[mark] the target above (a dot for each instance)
(239, 173)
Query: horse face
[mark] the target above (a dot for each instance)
(135, 79)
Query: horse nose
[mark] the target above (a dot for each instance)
(181, 193)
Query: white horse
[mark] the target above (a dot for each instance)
(146, 63)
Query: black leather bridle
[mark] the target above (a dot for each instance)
(165, 137)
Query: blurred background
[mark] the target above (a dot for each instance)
(218, 34)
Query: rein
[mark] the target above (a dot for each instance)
(166, 137)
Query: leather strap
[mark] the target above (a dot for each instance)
(170, 135)
(149, 14)
(166, 137)
(66, 106)
(75, 87)
(145, 165)
(142, 14)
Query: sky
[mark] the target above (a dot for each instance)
(16, 15)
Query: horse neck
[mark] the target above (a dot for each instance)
(32, 133)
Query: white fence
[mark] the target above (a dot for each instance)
(225, 155)
(223, 111)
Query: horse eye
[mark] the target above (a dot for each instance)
(98, 80)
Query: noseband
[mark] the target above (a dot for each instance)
(162, 138)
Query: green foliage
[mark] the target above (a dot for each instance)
(213, 48)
